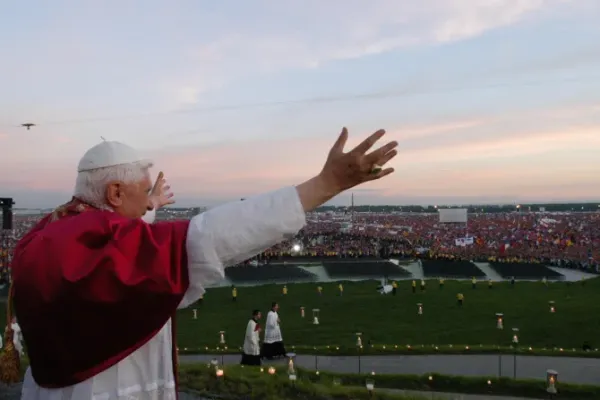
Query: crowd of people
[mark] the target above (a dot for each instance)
(8, 239)
(562, 239)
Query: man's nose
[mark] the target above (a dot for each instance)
(150, 205)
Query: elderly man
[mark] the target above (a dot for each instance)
(96, 288)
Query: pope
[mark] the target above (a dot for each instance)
(96, 284)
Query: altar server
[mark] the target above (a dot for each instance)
(251, 349)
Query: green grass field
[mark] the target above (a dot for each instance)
(251, 382)
(393, 320)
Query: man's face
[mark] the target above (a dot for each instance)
(276, 307)
(258, 316)
(130, 200)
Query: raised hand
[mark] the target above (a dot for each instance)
(343, 171)
(161, 194)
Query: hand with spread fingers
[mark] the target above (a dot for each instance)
(346, 170)
(161, 194)
(343, 171)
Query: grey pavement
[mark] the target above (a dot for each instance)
(453, 396)
(13, 392)
(570, 369)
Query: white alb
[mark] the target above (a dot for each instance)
(218, 238)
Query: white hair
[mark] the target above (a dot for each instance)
(90, 186)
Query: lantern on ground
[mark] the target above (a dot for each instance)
(271, 371)
(316, 316)
(551, 380)
(222, 337)
(515, 338)
(552, 307)
(302, 312)
(291, 357)
(499, 320)
(195, 312)
(358, 339)
(420, 308)
(219, 373)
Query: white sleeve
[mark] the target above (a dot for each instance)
(234, 232)
(149, 217)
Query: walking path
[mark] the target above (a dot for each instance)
(573, 275)
(452, 396)
(13, 392)
(572, 370)
(416, 273)
(414, 269)
(319, 272)
(489, 272)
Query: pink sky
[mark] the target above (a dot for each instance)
(556, 160)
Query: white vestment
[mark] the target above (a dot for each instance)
(220, 237)
(272, 329)
(17, 337)
(251, 345)
(386, 289)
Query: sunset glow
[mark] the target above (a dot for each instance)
(490, 101)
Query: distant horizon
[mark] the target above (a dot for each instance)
(339, 203)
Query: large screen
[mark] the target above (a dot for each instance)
(449, 215)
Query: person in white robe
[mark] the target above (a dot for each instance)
(273, 344)
(251, 349)
(385, 287)
(17, 336)
(221, 237)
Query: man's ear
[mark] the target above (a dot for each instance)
(114, 194)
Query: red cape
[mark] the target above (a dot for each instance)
(92, 287)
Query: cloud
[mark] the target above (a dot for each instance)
(249, 168)
(504, 146)
(483, 157)
(289, 34)
(419, 132)
(64, 139)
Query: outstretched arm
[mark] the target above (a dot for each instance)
(234, 232)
